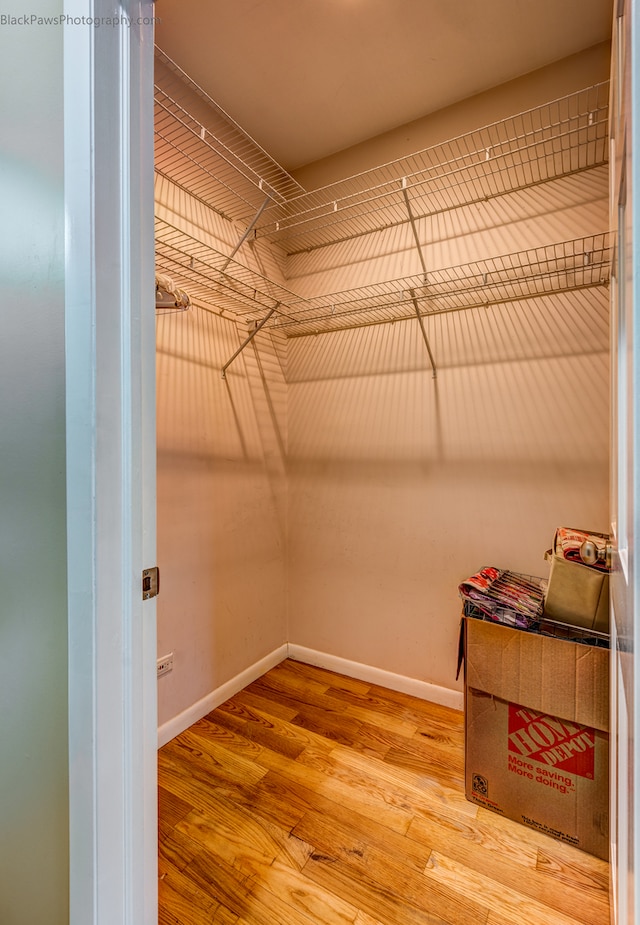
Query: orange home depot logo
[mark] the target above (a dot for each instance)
(550, 741)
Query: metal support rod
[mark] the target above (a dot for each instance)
(424, 333)
(247, 232)
(248, 340)
(413, 226)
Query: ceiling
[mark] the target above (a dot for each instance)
(307, 78)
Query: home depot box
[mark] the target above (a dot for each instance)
(536, 732)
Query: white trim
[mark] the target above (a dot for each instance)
(395, 682)
(109, 318)
(196, 711)
(80, 470)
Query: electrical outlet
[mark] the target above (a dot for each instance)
(165, 664)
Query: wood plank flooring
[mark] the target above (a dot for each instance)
(311, 798)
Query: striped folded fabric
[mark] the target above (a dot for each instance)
(503, 596)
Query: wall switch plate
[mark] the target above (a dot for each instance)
(165, 664)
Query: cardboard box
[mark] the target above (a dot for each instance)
(536, 732)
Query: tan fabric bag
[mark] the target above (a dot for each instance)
(577, 594)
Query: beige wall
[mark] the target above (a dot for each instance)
(401, 484)
(221, 489)
(567, 76)
(396, 485)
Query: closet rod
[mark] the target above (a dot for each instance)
(246, 233)
(248, 340)
(424, 333)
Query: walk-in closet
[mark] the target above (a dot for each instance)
(376, 373)
(427, 392)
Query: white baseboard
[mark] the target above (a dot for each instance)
(196, 711)
(395, 682)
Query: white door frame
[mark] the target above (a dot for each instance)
(110, 362)
(625, 468)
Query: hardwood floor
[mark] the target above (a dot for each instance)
(311, 798)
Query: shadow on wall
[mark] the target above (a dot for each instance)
(201, 414)
(522, 382)
(238, 422)
(568, 324)
(362, 490)
(556, 211)
(221, 505)
(402, 485)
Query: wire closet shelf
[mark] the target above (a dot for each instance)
(202, 149)
(559, 139)
(229, 286)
